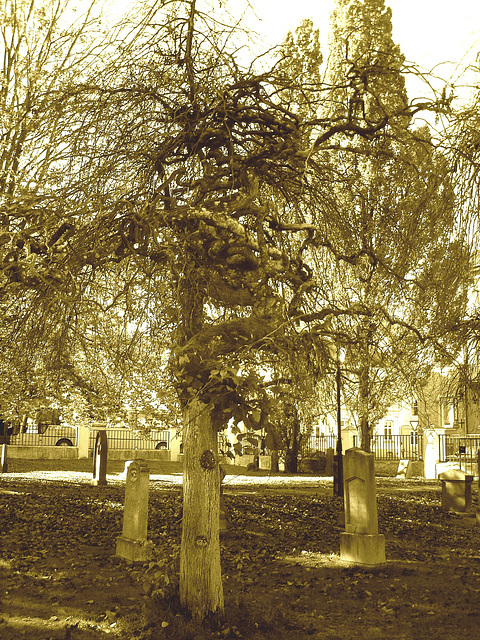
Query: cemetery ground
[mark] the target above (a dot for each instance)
(283, 578)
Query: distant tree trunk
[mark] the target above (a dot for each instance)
(274, 461)
(365, 430)
(291, 455)
(365, 435)
(201, 590)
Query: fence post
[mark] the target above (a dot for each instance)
(431, 454)
(83, 438)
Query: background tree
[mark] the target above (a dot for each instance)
(392, 215)
(70, 329)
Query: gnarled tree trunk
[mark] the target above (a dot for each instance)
(201, 590)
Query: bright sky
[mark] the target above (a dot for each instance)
(429, 32)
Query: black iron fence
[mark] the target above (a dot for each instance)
(52, 436)
(462, 450)
(319, 443)
(118, 438)
(121, 438)
(395, 447)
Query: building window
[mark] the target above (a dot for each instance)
(388, 430)
(446, 411)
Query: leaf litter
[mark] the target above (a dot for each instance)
(283, 578)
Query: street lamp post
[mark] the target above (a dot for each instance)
(338, 463)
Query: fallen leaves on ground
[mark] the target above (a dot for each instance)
(283, 578)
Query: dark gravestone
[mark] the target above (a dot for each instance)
(100, 459)
(329, 462)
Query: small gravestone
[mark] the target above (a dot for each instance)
(404, 469)
(456, 491)
(100, 459)
(265, 462)
(4, 461)
(131, 545)
(361, 543)
(329, 462)
(223, 522)
(445, 466)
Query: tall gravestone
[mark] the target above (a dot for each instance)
(361, 543)
(131, 544)
(83, 441)
(431, 454)
(4, 460)
(223, 523)
(100, 459)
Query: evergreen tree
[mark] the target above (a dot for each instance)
(392, 208)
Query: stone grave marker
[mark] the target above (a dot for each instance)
(329, 462)
(125, 469)
(4, 460)
(100, 459)
(431, 453)
(265, 462)
(446, 466)
(223, 522)
(361, 543)
(404, 469)
(131, 544)
(456, 491)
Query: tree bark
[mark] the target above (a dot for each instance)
(201, 590)
(365, 433)
(291, 456)
(274, 464)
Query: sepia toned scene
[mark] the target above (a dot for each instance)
(239, 320)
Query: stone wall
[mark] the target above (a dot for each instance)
(42, 453)
(71, 453)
